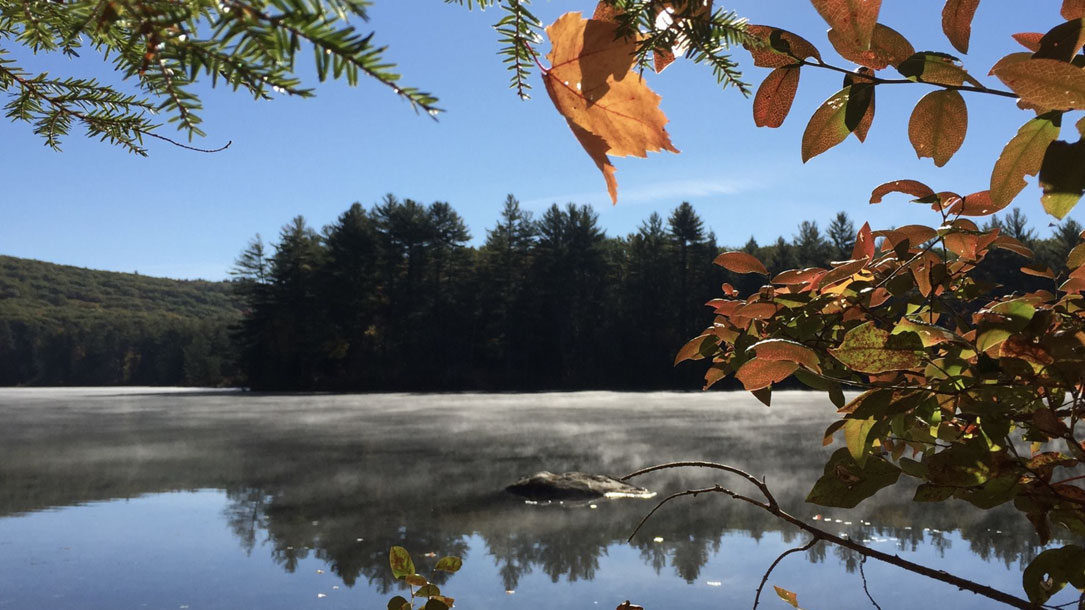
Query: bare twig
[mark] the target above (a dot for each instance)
(765, 578)
(865, 589)
(773, 508)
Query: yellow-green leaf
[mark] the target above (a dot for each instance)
(938, 125)
(1022, 157)
(827, 127)
(400, 561)
(1061, 177)
(868, 349)
(856, 432)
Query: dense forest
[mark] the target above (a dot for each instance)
(63, 325)
(393, 298)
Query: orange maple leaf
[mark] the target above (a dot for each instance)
(606, 103)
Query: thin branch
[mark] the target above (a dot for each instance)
(819, 534)
(865, 589)
(765, 578)
(904, 81)
(185, 146)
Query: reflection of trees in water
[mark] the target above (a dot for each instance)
(570, 542)
(310, 476)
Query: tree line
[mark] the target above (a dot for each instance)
(393, 297)
(66, 326)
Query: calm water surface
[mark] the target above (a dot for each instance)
(180, 500)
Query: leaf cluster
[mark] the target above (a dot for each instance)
(956, 384)
(421, 590)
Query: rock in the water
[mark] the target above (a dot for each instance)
(574, 486)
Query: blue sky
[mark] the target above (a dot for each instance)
(187, 215)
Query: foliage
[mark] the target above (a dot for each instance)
(164, 46)
(421, 589)
(66, 326)
(975, 395)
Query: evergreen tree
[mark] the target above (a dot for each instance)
(841, 236)
(811, 249)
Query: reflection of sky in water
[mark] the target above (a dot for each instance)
(291, 483)
(174, 551)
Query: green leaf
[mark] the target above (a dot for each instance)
(928, 492)
(868, 349)
(435, 604)
(846, 483)
(399, 603)
(960, 466)
(428, 590)
(1022, 157)
(401, 563)
(449, 564)
(1050, 572)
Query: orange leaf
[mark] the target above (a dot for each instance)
(1021, 157)
(793, 277)
(780, 47)
(1029, 40)
(853, 19)
(696, 348)
(908, 187)
(790, 351)
(740, 262)
(957, 22)
(774, 96)
(887, 48)
(864, 243)
(938, 125)
(1048, 83)
(758, 373)
(607, 105)
(1073, 9)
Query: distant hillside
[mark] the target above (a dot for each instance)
(63, 325)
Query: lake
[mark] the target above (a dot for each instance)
(173, 499)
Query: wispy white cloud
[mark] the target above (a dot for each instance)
(647, 193)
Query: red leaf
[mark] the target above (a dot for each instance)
(887, 48)
(774, 96)
(1029, 40)
(957, 22)
(909, 187)
(780, 47)
(854, 19)
(864, 243)
(1073, 9)
(938, 125)
(758, 373)
(1047, 83)
(977, 204)
(740, 262)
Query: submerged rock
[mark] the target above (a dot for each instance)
(545, 485)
